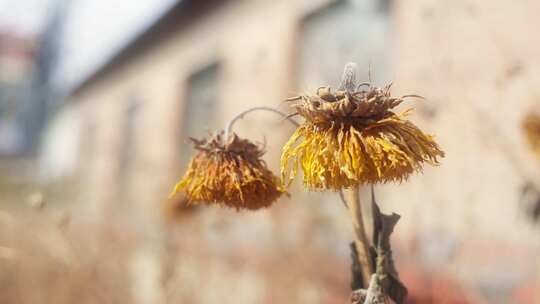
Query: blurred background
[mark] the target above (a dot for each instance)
(97, 99)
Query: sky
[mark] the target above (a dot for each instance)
(23, 16)
(95, 29)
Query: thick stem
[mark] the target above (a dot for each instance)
(352, 198)
(240, 115)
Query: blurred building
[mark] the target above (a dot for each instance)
(16, 67)
(204, 61)
(196, 67)
(27, 100)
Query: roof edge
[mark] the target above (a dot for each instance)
(178, 15)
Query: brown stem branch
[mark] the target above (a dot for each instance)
(352, 198)
(384, 284)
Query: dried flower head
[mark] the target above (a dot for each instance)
(177, 208)
(531, 129)
(353, 137)
(230, 173)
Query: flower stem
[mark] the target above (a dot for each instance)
(240, 115)
(352, 198)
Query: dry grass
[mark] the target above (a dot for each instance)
(43, 261)
(51, 259)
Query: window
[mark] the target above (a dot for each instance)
(341, 32)
(128, 145)
(199, 115)
(344, 31)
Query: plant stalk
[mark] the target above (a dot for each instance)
(230, 124)
(352, 199)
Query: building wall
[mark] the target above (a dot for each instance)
(255, 53)
(476, 72)
(474, 61)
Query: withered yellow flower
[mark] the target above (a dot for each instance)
(353, 138)
(177, 207)
(231, 173)
(531, 130)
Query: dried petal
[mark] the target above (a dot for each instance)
(353, 140)
(531, 129)
(231, 174)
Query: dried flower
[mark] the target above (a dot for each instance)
(230, 173)
(177, 208)
(352, 137)
(531, 129)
